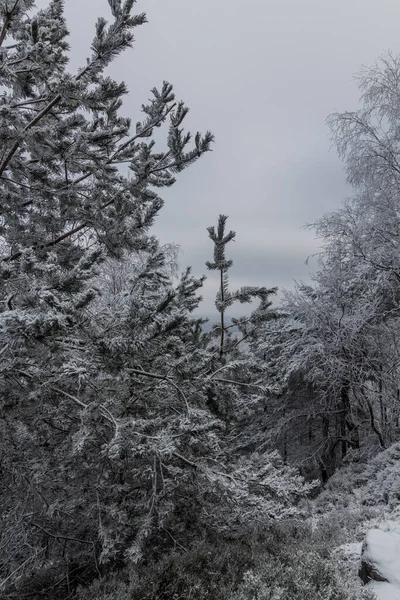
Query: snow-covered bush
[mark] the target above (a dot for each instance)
(365, 485)
(287, 561)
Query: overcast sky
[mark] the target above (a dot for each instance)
(263, 75)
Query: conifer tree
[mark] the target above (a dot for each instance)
(244, 390)
(65, 207)
(222, 265)
(225, 298)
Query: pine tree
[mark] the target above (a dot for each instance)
(65, 207)
(225, 298)
(222, 265)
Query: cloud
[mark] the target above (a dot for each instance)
(263, 76)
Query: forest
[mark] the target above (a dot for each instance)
(146, 454)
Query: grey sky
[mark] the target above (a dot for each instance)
(262, 75)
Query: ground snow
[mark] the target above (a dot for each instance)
(382, 549)
(352, 551)
(385, 591)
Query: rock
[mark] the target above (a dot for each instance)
(380, 557)
(369, 572)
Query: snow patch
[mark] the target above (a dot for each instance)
(382, 549)
(352, 551)
(380, 560)
(385, 591)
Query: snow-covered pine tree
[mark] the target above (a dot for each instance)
(228, 343)
(238, 388)
(247, 327)
(222, 265)
(65, 206)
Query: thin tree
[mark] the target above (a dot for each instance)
(221, 264)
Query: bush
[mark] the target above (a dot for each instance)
(304, 575)
(288, 561)
(207, 570)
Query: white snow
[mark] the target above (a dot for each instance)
(385, 591)
(352, 551)
(382, 549)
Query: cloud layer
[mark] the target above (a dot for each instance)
(262, 75)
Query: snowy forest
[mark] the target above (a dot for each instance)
(146, 454)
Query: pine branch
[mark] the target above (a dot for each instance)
(39, 116)
(212, 375)
(106, 163)
(185, 460)
(126, 144)
(28, 102)
(76, 400)
(58, 536)
(61, 238)
(170, 166)
(75, 230)
(143, 131)
(7, 23)
(240, 383)
(34, 122)
(162, 378)
(242, 339)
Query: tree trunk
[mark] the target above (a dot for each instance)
(344, 416)
(326, 459)
(383, 408)
(222, 340)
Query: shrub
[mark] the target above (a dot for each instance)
(288, 561)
